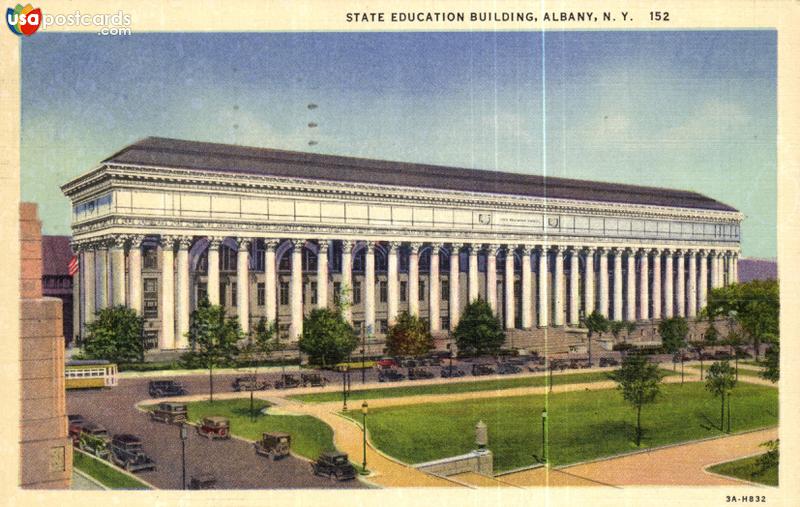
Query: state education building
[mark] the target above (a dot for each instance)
(263, 232)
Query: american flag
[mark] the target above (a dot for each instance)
(73, 265)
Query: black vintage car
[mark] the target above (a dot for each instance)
(479, 370)
(249, 383)
(334, 465)
(170, 413)
(202, 481)
(419, 373)
(313, 380)
(287, 382)
(608, 361)
(162, 388)
(390, 375)
(508, 369)
(127, 452)
(452, 371)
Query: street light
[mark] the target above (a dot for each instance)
(344, 388)
(544, 435)
(364, 411)
(184, 437)
(729, 410)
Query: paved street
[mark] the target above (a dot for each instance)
(233, 462)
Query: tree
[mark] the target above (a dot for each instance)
(638, 379)
(327, 337)
(754, 306)
(115, 335)
(260, 345)
(596, 322)
(213, 339)
(629, 326)
(479, 330)
(772, 363)
(770, 459)
(616, 327)
(719, 381)
(409, 336)
(673, 333)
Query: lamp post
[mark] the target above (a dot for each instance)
(729, 410)
(364, 411)
(184, 436)
(344, 388)
(544, 435)
(363, 355)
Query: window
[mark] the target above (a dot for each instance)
(403, 291)
(150, 298)
(227, 258)
(202, 291)
(222, 287)
(445, 290)
(149, 258)
(383, 325)
(421, 290)
(313, 293)
(356, 293)
(337, 292)
(285, 294)
(445, 323)
(283, 331)
(151, 308)
(383, 291)
(261, 294)
(358, 325)
(234, 295)
(150, 285)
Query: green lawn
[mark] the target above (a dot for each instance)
(582, 425)
(105, 473)
(748, 470)
(310, 436)
(456, 387)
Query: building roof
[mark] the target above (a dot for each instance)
(56, 254)
(233, 159)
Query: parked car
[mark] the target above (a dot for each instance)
(169, 412)
(162, 388)
(386, 362)
(452, 371)
(508, 369)
(274, 445)
(313, 380)
(94, 440)
(287, 381)
(479, 370)
(214, 427)
(390, 375)
(419, 373)
(334, 465)
(249, 383)
(75, 423)
(202, 481)
(722, 355)
(127, 452)
(608, 361)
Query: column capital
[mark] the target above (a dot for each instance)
(541, 248)
(629, 250)
(589, 250)
(492, 249)
(435, 247)
(667, 251)
(297, 245)
(370, 245)
(214, 242)
(679, 252)
(415, 246)
(394, 246)
(527, 249)
(557, 249)
(643, 252)
(616, 251)
(271, 244)
(243, 243)
(690, 251)
(101, 243)
(602, 250)
(136, 241)
(655, 252)
(166, 241)
(347, 245)
(184, 242)
(455, 248)
(322, 245)
(474, 248)
(119, 240)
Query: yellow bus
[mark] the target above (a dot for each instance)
(90, 373)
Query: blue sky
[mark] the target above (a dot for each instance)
(693, 110)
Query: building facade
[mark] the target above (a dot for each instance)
(268, 233)
(56, 280)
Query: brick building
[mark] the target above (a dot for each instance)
(56, 280)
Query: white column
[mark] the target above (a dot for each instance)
(669, 302)
(508, 276)
(527, 315)
(558, 286)
(544, 302)
(630, 292)
(413, 279)
(433, 290)
(617, 254)
(135, 274)
(735, 267)
(393, 282)
(182, 276)
(604, 285)
(680, 293)
(88, 274)
(719, 269)
(243, 283)
(118, 270)
(644, 285)
(727, 270)
(167, 340)
(657, 300)
(472, 279)
(713, 268)
(702, 285)
(369, 293)
(296, 292)
(491, 277)
(455, 303)
(213, 270)
(322, 273)
(574, 293)
(347, 279)
(588, 294)
(691, 307)
(101, 258)
(270, 280)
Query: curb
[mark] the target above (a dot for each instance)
(91, 479)
(737, 479)
(115, 468)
